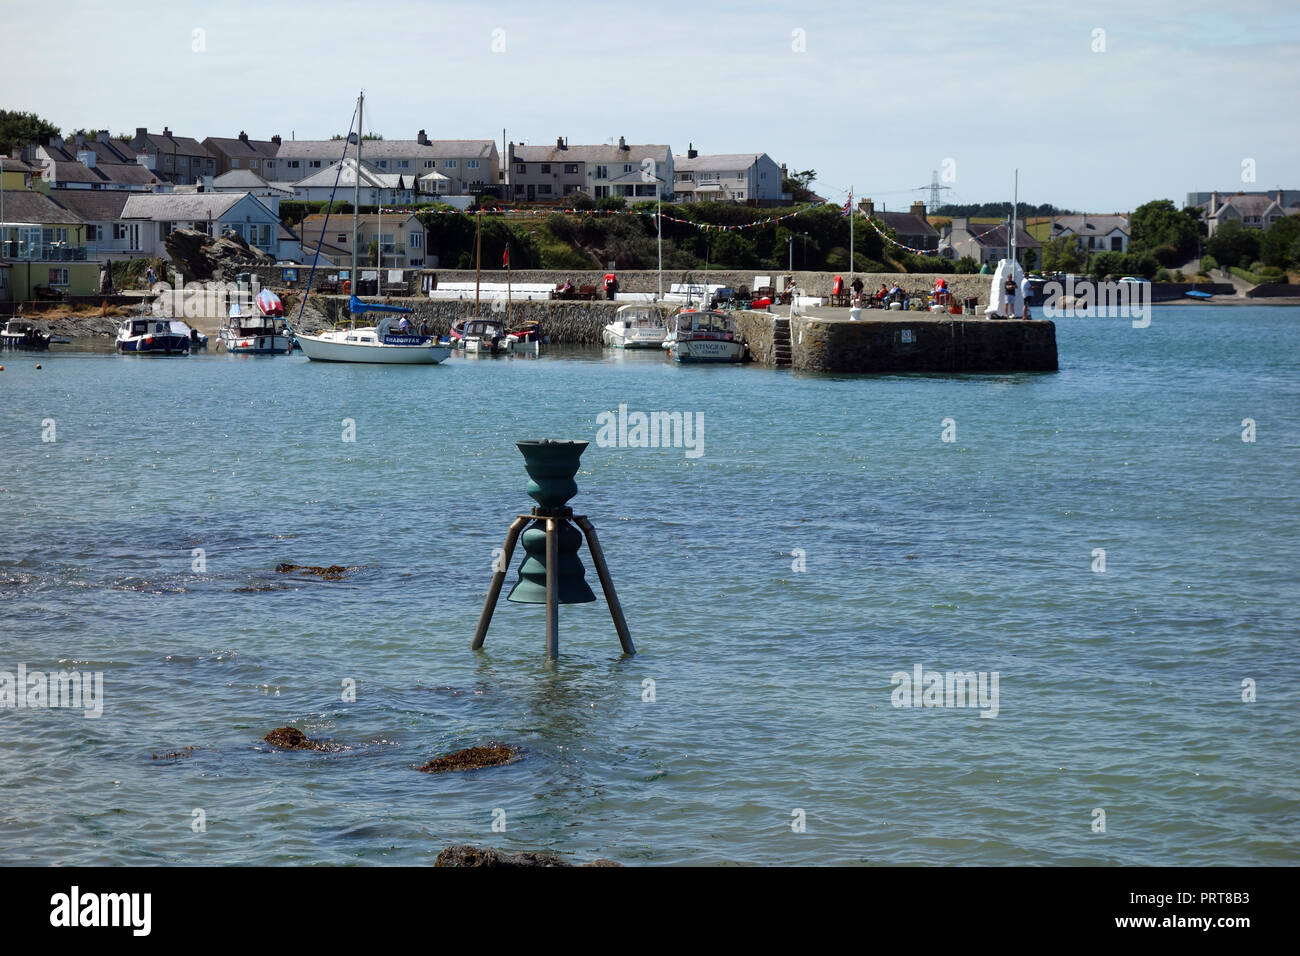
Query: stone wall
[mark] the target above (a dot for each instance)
(923, 344)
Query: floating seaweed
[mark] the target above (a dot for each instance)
(291, 738)
(334, 572)
(175, 754)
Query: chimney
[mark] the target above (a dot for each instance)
(86, 157)
(918, 209)
(867, 206)
(421, 138)
(622, 144)
(243, 136)
(691, 151)
(141, 132)
(1279, 195)
(559, 142)
(1214, 204)
(276, 139)
(167, 132)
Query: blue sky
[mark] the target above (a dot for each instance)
(1170, 97)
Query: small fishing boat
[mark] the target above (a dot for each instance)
(376, 344)
(636, 326)
(154, 336)
(480, 334)
(705, 335)
(261, 334)
(22, 334)
(525, 338)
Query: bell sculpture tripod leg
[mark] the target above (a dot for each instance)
(552, 589)
(606, 584)
(498, 578)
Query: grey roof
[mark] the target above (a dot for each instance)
(1248, 204)
(717, 162)
(112, 151)
(167, 207)
(17, 166)
(240, 179)
(603, 154)
(1084, 225)
(94, 205)
(996, 236)
(370, 176)
(32, 207)
(907, 224)
(73, 172)
(241, 147)
(332, 149)
(130, 173)
(180, 145)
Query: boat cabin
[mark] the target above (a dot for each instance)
(705, 324)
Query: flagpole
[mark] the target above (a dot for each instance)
(851, 218)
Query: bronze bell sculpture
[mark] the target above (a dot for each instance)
(551, 572)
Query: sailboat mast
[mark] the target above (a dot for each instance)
(1015, 203)
(478, 254)
(356, 204)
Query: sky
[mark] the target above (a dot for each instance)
(1100, 106)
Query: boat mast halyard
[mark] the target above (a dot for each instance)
(478, 254)
(356, 209)
(1015, 202)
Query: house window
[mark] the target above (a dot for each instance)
(571, 168)
(341, 238)
(415, 240)
(521, 168)
(403, 164)
(449, 164)
(471, 164)
(1116, 244)
(234, 164)
(602, 192)
(58, 277)
(544, 189)
(93, 233)
(602, 172)
(382, 164)
(546, 167)
(293, 164)
(627, 167)
(429, 164)
(315, 164)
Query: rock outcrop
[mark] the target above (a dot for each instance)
(201, 257)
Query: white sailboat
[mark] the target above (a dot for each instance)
(378, 343)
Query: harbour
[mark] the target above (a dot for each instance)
(894, 534)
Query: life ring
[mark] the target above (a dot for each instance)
(347, 286)
(838, 286)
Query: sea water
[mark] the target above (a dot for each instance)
(1109, 554)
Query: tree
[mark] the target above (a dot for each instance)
(1062, 254)
(1281, 243)
(799, 185)
(1159, 228)
(18, 129)
(1234, 245)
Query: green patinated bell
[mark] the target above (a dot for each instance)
(572, 582)
(551, 466)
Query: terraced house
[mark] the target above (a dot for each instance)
(179, 159)
(43, 244)
(546, 173)
(469, 165)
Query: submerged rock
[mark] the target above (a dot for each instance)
(334, 572)
(175, 754)
(291, 738)
(462, 854)
(471, 758)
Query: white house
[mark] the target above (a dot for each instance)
(1095, 233)
(738, 177)
(214, 213)
(542, 173)
(377, 187)
(470, 165)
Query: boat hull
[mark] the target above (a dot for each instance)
(695, 351)
(616, 340)
(155, 345)
(256, 344)
(323, 350)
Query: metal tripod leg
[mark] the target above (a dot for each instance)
(498, 578)
(606, 584)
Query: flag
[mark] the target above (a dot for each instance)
(848, 206)
(505, 258)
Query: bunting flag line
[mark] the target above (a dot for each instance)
(573, 211)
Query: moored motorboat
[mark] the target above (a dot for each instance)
(705, 335)
(261, 334)
(154, 336)
(22, 334)
(636, 326)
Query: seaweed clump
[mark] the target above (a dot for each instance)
(471, 758)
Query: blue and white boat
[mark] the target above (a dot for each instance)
(154, 336)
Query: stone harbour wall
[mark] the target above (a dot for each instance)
(923, 344)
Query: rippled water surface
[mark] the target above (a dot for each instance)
(1119, 691)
